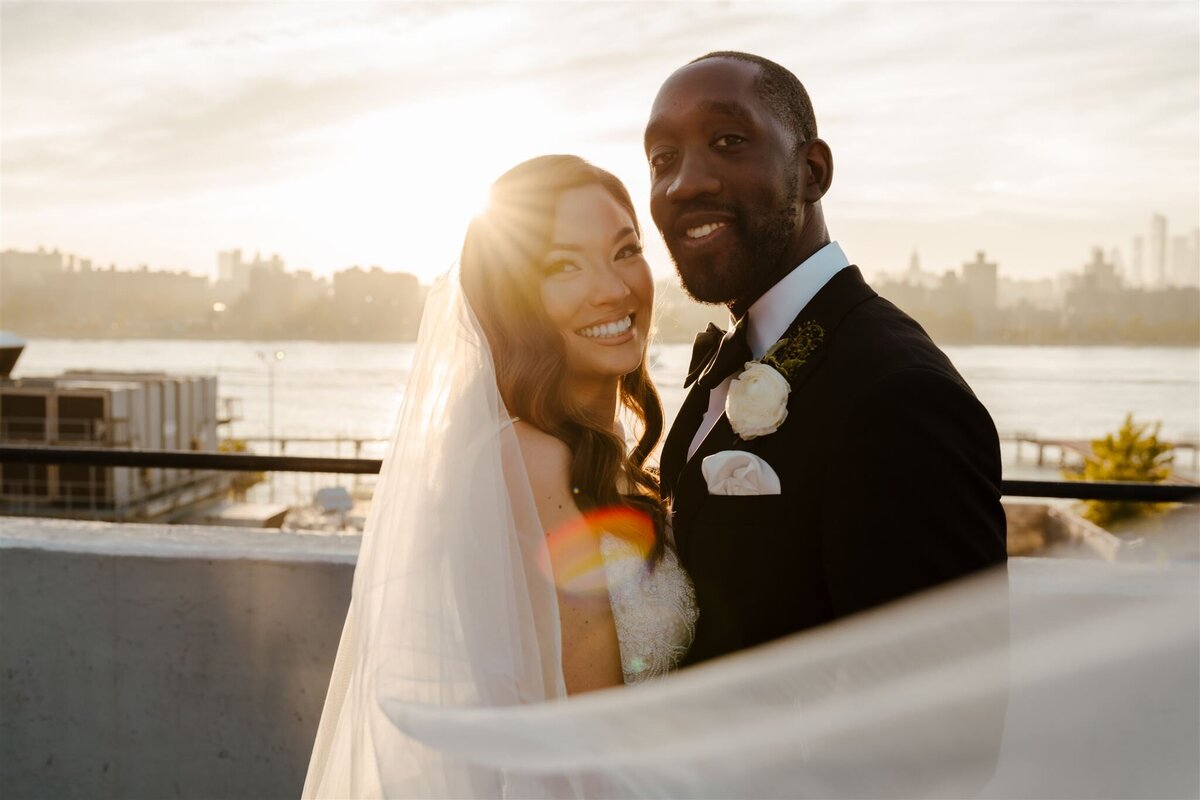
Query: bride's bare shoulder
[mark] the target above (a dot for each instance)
(547, 458)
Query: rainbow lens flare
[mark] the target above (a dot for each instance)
(573, 557)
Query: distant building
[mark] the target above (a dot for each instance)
(376, 304)
(1100, 275)
(1040, 294)
(1137, 277)
(58, 295)
(52, 294)
(1158, 251)
(20, 270)
(1196, 256)
(234, 275)
(1185, 260)
(310, 289)
(915, 276)
(1114, 258)
(979, 285)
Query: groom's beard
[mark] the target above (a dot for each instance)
(751, 264)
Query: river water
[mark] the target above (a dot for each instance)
(354, 389)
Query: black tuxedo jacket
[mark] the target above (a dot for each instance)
(890, 473)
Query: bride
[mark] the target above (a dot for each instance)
(516, 549)
(555, 274)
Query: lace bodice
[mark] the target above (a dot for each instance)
(655, 610)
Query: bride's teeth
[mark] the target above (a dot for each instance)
(607, 329)
(704, 230)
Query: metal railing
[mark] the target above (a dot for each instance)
(94, 494)
(239, 462)
(185, 459)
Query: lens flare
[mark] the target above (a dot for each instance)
(573, 559)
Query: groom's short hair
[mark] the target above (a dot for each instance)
(781, 91)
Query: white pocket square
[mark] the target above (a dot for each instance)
(736, 472)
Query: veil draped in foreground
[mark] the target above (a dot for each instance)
(1057, 678)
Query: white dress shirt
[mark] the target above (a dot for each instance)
(770, 317)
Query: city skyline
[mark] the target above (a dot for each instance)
(341, 134)
(1129, 267)
(59, 294)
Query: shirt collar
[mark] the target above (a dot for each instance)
(772, 313)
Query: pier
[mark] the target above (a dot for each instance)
(1067, 449)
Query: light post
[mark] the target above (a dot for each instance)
(270, 360)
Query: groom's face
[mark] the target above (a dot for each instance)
(724, 173)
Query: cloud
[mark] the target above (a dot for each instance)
(259, 130)
(935, 111)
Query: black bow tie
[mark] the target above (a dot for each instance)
(716, 355)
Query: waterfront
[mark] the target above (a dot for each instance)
(354, 390)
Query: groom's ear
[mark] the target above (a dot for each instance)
(818, 172)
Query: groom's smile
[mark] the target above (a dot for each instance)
(702, 236)
(703, 243)
(705, 232)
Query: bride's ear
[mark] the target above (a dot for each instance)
(817, 173)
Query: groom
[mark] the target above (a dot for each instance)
(855, 465)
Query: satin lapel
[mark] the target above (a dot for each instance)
(828, 308)
(691, 489)
(679, 438)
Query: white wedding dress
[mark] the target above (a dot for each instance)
(654, 609)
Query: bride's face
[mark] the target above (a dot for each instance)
(596, 286)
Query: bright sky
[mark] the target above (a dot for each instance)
(341, 133)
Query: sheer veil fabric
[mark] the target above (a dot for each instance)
(449, 607)
(1057, 678)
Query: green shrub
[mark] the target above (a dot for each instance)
(1134, 453)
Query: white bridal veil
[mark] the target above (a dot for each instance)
(1060, 678)
(450, 607)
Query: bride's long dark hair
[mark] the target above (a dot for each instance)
(501, 255)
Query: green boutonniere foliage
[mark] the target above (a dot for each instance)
(790, 353)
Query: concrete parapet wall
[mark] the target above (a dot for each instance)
(1026, 527)
(147, 661)
(1036, 528)
(156, 661)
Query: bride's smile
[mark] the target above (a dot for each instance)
(596, 286)
(617, 332)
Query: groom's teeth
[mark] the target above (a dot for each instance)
(704, 230)
(607, 329)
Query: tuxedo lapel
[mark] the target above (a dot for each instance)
(679, 439)
(827, 309)
(691, 488)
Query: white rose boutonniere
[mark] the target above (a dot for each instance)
(757, 401)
